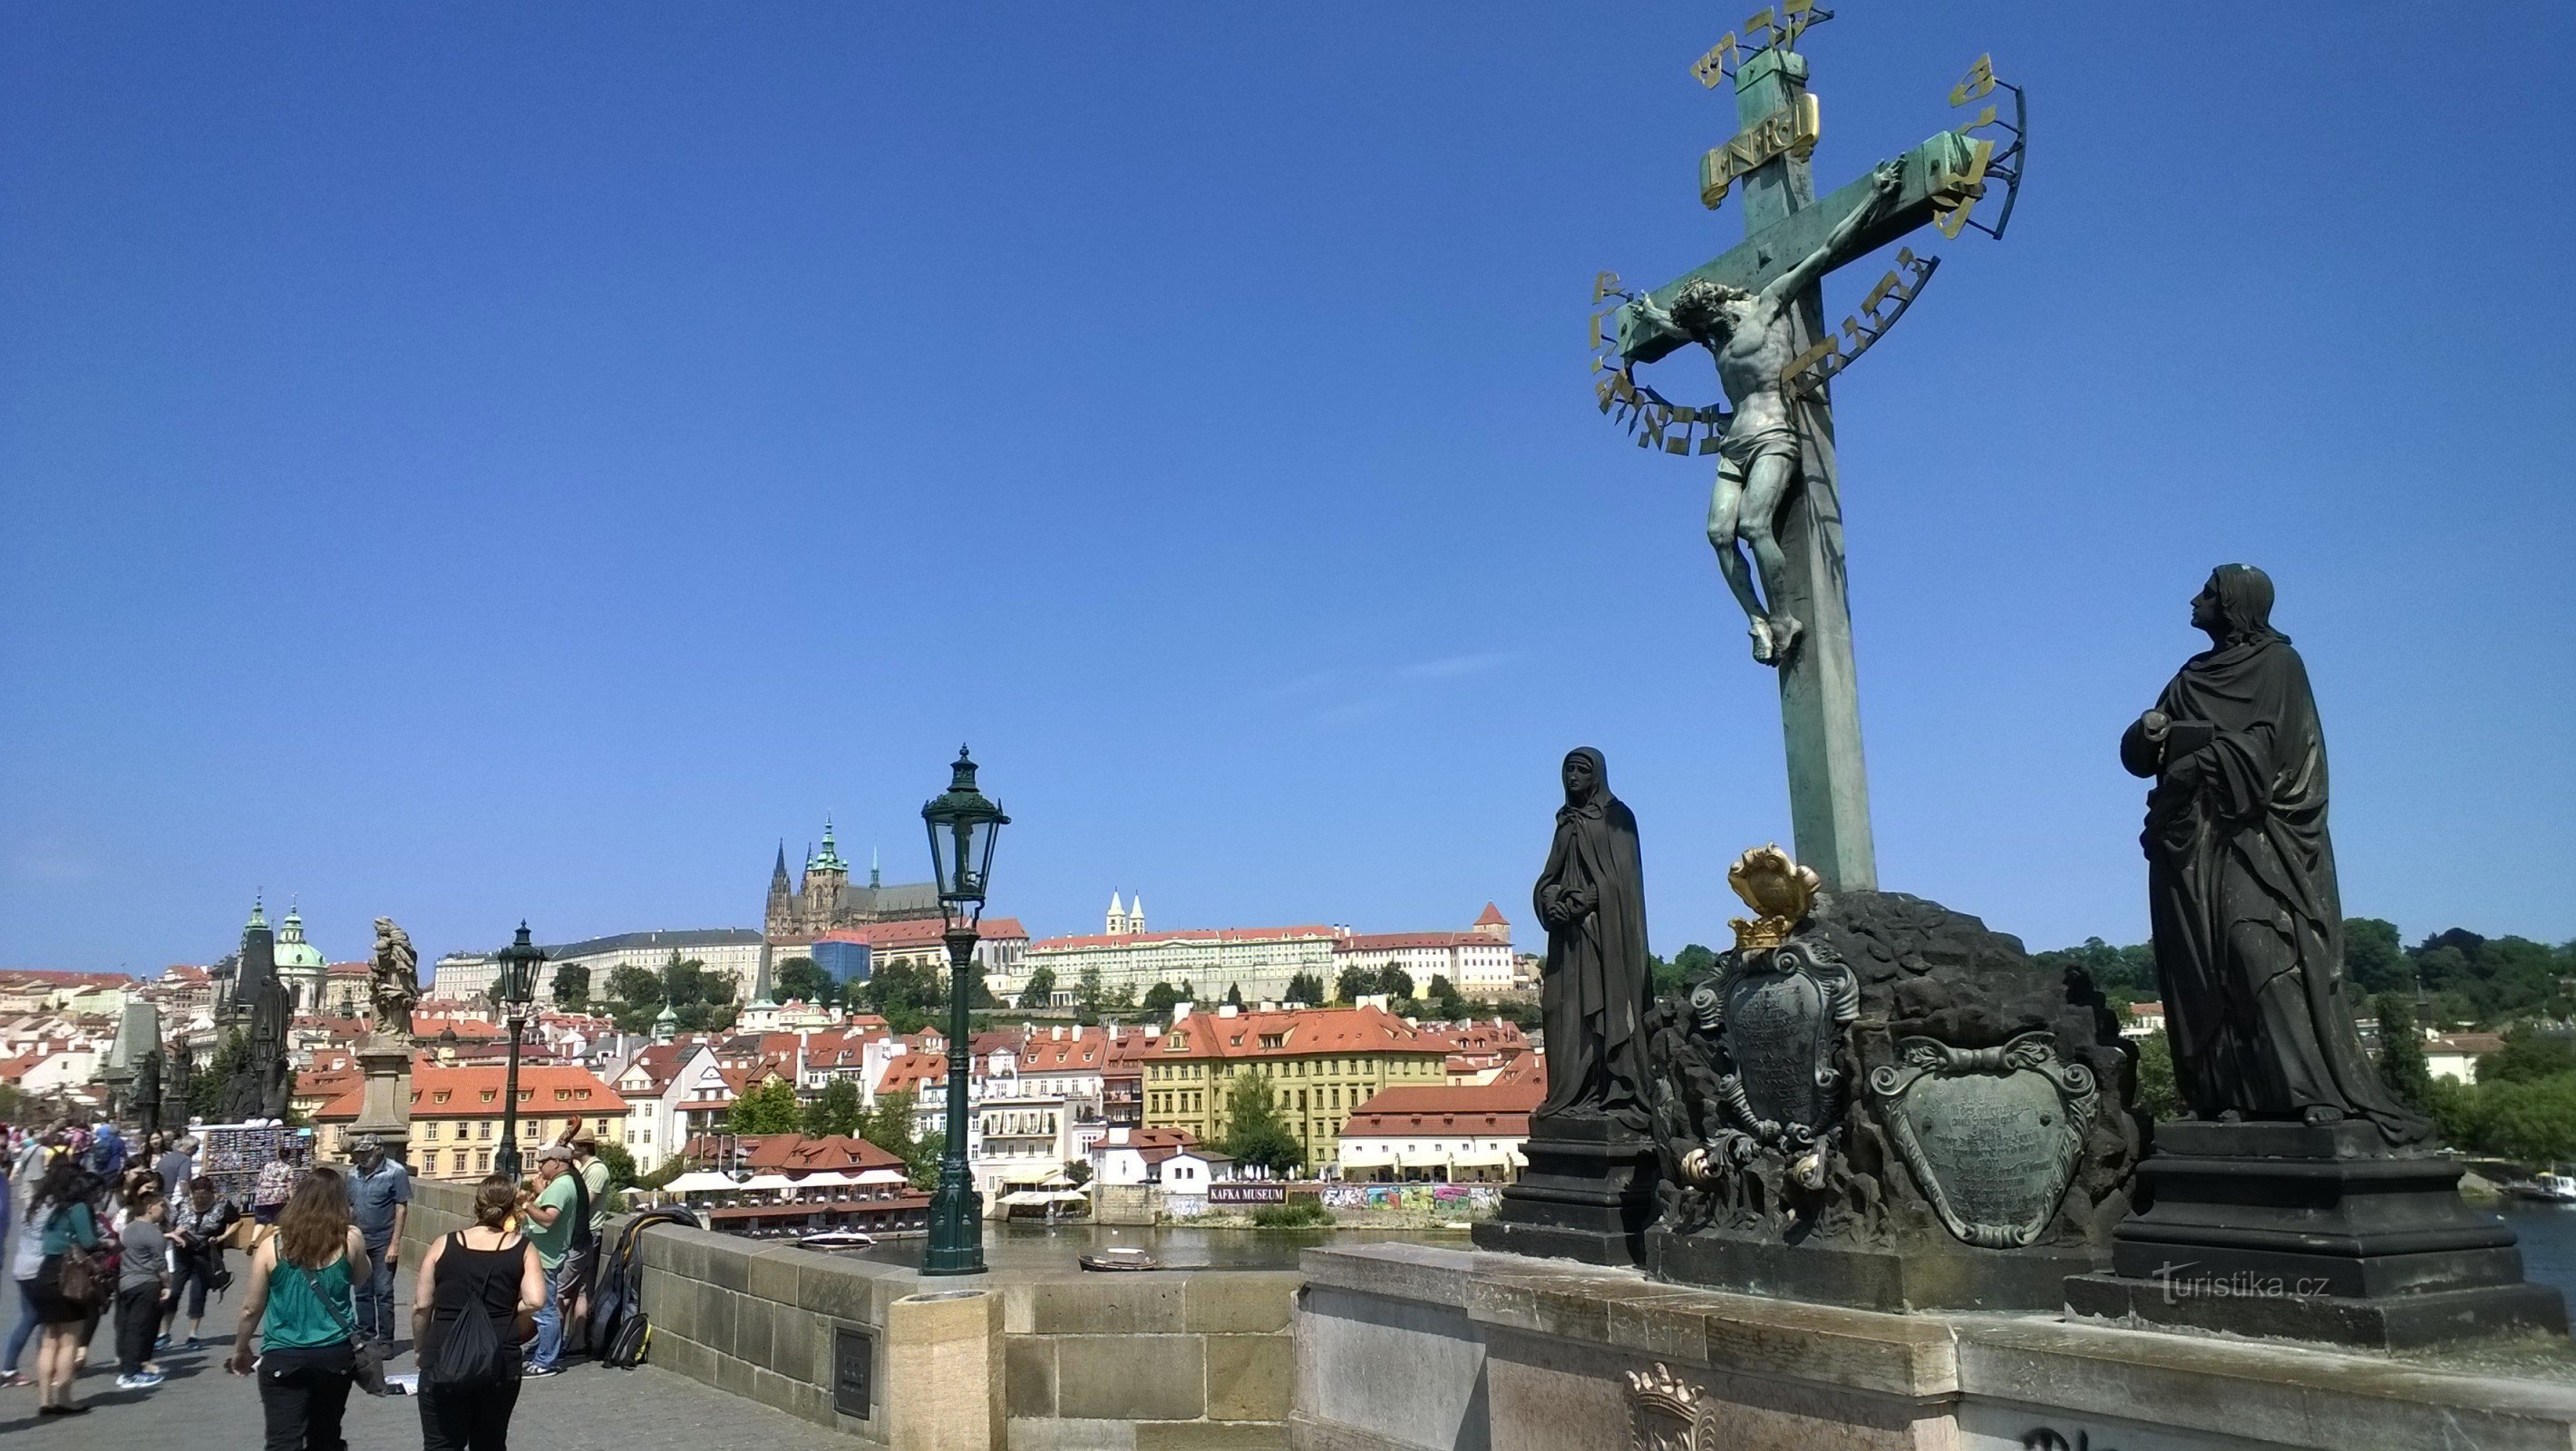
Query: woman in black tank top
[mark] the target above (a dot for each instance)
(490, 1271)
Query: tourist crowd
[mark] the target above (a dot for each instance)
(95, 1228)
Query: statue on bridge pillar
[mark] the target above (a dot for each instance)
(2299, 1171)
(1593, 993)
(2241, 880)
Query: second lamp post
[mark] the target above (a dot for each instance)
(517, 981)
(963, 826)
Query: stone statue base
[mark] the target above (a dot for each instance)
(2286, 1231)
(1587, 1194)
(385, 1111)
(1921, 1275)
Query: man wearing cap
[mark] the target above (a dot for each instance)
(379, 1202)
(561, 1210)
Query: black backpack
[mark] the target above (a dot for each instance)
(469, 1353)
(619, 1328)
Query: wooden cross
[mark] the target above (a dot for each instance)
(1767, 166)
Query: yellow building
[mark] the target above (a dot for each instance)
(1322, 1063)
(456, 1115)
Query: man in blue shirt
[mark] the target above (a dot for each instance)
(379, 1202)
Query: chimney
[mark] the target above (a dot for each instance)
(1226, 1010)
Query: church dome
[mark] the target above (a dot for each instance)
(293, 952)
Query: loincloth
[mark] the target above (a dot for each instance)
(1742, 448)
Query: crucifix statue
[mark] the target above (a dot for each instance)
(1759, 310)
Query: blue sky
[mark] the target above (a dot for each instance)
(474, 462)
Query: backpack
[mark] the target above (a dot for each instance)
(469, 1353)
(619, 1327)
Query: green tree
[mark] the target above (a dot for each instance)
(572, 986)
(206, 1089)
(2157, 1093)
(1396, 983)
(1354, 983)
(684, 982)
(621, 1165)
(836, 1110)
(2401, 1049)
(1306, 988)
(1040, 989)
(633, 989)
(2529, 1120)
(2123, 975)
(907, 995)
(1089, 997)
(889, 1124)
(1446, 1003)
(921, 1166)
(1234, 994)
(1257, 1133)
(804, 980)
(1159, 1000)
(2526, 1057)
(2374, 958)
(1662, 978)
(769, 1108)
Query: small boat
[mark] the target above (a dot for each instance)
(2549, 1189)
(1121, 1257)
(837, 1239)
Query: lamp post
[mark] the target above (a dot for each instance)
(963, 826)
(517, 982)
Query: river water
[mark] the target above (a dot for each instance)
(2548, 1234)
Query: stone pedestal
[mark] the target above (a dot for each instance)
(1914, 1276)
(385, 1111)
(1587, 1194)
(1415, 1348)
(2282, 1230)
(944, 1356)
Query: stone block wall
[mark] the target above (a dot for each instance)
(1149, 1362)
(1170, 1361)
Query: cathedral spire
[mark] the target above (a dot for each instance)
(876, 878)
(778, 873)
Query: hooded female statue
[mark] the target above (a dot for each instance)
(2241, 879)
(1592, 998)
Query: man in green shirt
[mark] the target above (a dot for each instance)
(552, 1220)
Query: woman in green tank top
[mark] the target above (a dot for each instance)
(298, 1304)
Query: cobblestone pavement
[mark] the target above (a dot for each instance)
(587, 1408)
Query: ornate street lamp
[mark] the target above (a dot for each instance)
(963, 826)
(517, 983)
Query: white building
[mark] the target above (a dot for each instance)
(2455, 1055)
(1477, 962)
(738, 955)
(662, 1085)
(1135, 1155)
(1440, 1135)
(1259, 960)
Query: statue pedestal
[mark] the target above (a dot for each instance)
(386, 1109)
(2287, 1231)
(1587, 1194)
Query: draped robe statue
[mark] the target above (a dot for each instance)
(1592, 998)
(2241, 880)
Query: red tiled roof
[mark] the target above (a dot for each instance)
(913, 1072)
(923, 932)
(1391, 941)
(464, 1088)
(795, 1153)
(1502, 1108)
(1301, 1030)
(1190, 934)
(1492, 916)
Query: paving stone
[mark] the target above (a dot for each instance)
(1209, 1436)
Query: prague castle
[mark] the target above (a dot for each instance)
(824, 900)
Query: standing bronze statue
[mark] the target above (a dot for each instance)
(2241, 880)
(1592, 998)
